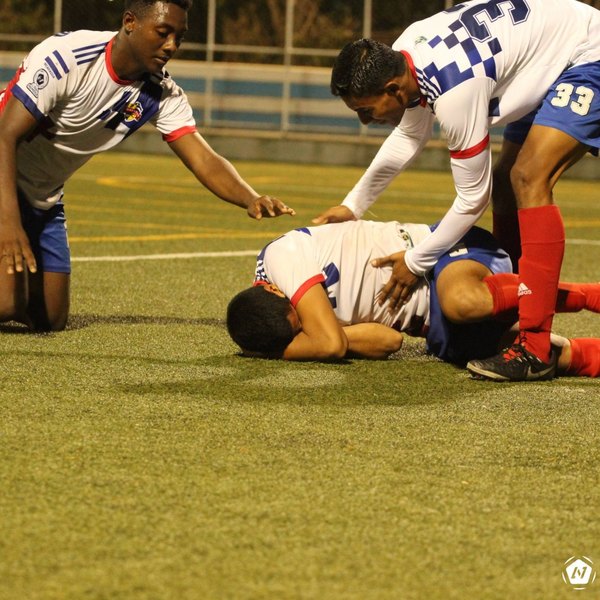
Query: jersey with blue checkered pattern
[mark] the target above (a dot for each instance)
(506, 52)
(479, 64)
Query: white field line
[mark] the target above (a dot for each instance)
(584, 242)
(580, 242)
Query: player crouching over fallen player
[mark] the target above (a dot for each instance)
(315, 297)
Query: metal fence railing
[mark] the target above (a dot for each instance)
(234, 78)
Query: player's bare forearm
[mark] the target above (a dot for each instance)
(321, 336)
(372, 340)
(320, 348)
(218, 175)
(15, 250)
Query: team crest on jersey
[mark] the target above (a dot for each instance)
(40, 81)
(133, 112)
(404, 235)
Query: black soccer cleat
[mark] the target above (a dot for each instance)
(514, 364)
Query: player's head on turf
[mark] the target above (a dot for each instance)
(374, 81)
(150, 34)
(262, 320)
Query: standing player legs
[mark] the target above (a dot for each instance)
(546, 154)
(504, 203)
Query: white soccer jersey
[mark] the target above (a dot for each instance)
(478, 64)
(82, 107)
(339, 256)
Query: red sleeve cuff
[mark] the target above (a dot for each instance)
(305, 287)
(473, 151)
(175, 135)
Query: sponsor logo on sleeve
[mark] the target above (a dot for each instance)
(40, 81)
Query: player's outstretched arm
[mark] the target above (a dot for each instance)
(322, 337)
(372, 340)
(218, 175)
(15, 251)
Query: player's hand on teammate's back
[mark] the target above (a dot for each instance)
(267, 206)
(402, 281)
(335, 214)
(15, 250)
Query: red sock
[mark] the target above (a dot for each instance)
(503, 288)
(572, 297)
(543, 246)
(585, 357)
(506, 231)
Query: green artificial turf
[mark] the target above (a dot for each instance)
(142, 458)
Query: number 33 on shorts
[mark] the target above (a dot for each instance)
(578, 99)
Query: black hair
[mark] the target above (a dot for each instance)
(257, 321)
(362, 68)
(141, 6)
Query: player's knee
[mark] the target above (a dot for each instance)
(46, 321)
(529, 182)
(9, 310)
(59, 322)
(462, 305)
(520, 178)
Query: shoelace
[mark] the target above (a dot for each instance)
(517, 350)
(514, 352)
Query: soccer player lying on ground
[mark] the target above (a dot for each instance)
(75, 95)
(315, 298)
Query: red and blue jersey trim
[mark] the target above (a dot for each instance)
(305, 287)
(178, 133)
(8, 92)
(473, 150)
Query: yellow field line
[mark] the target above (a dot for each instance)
(177, 236)
(160, 226)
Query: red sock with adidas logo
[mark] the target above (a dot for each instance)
(543, 245)
(572, 297)
(585, 357)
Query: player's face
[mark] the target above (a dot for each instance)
(155, 35)
(294, 320)
(292, 315)
(385, 109)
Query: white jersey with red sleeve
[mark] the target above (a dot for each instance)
(82, 107)
(338, 256)
(480, 64)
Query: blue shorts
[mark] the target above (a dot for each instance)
(47, 233)
(571, 105)
(459, 344)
